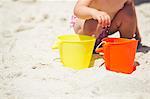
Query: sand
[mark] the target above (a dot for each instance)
(30, 69)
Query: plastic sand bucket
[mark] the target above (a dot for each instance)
(119, 54)
(75, 50)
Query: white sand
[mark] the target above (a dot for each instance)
(29, 69)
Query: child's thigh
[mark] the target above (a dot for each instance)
(86, 27)
(125, 19)
(90, 27)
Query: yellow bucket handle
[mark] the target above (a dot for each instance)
(56, 44)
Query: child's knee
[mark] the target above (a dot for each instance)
(129, 12)
(130, 20)
(78, 27)
(128, 15)
(89, 27)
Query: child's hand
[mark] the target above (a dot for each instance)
(102, 17)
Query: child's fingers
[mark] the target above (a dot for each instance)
(105, 21)
(109, 21)
(99, 20)
(98, 27)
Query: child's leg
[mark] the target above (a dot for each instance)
(125, 22)
(78, 26)
(87, 27)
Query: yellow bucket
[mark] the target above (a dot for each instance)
(75, 50)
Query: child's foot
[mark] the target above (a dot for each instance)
(137, 37)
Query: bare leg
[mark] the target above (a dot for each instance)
(78, 27)
(87, 27)
(125, 22)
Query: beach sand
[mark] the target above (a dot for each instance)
(30, 69)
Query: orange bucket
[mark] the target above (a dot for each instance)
(119, 54)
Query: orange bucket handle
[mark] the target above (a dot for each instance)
(100, 50)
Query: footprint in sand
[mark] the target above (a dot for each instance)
(1, 5)
(42, 18)
(23, 28)
(26, 1)
(145, 13)
(63, 19)
(30, 19)
(7, 34)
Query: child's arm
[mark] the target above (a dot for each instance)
(82, 10)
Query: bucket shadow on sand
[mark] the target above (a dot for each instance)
(97, 56)
(94, 58)
(143, 48)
